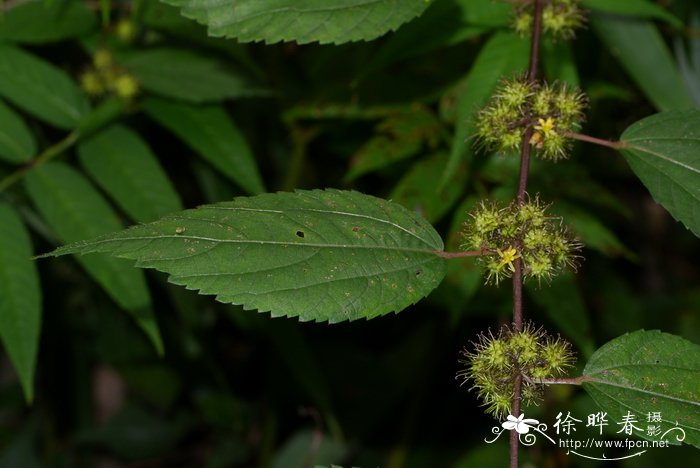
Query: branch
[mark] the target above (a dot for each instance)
(597, 141)
(47, 155)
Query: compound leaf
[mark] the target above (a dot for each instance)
(664, 151)
(317, 255)
(649, 372)
(37, 22)
(75, 210)
(20, 298)
(40, 88)
(123, 164)
(211, 132)
(17, 144)
(188, 76)
(303, 21)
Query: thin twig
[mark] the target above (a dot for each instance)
(598, 141)
(47, 155)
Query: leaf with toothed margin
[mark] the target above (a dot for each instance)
(646, 372)
(303, 21)
(323, 255)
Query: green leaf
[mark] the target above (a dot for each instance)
(649, 371)
(317, 255)
(559, 62)
(75, 210)
(104, 113)
(664, 151)
(20, 298)
(417, 190)
(167, 19)
(562, 302)
(188, 76)
(37, 22)
(17, 144)
(640, 8)
(445, 23)
(590, 230)
(503, 55)
(294, 452)
(642, 52)
(464, 275)
(40, 88)
(400, 136)
(211, 132)
(124, 166)
(303, 21)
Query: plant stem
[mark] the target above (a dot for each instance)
(301, 137)
(520, 198)
(47, 155)
(598, 141)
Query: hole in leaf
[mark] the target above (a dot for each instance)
(418, 273)
(300, 234)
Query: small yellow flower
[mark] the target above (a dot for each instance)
(546, 127)
(508, 257)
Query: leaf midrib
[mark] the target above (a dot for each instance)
(672, 161)
(254, 242)
(624, 404)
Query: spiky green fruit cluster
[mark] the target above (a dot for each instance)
(496, 361)
(560, 18)
(551, 110)
(511, 232)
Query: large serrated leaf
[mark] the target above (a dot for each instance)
(317, 255)
(123, 164)
(40, 88)
(212, 133)
(664, 151)
(17, 144)
(303, 21)
(648, 372)
(20, 298)
(37, 22)
(75, 210)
